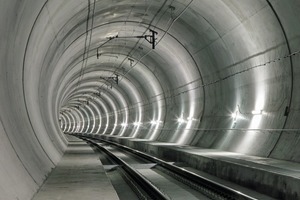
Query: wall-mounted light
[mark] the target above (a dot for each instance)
(124, 124)
(137, 123)
(257, 112)
(180, 120)
(192, 119)
(235, 115)
(155, 122)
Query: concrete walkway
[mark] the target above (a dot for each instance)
(79, 175)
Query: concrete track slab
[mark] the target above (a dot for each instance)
(279, 179)
(171, 187)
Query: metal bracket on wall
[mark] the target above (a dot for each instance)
(150, 38)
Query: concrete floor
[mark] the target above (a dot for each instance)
(79, 175)
(171, 187)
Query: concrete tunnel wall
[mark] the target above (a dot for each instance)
(213, 59)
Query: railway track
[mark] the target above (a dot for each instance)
(163, 180)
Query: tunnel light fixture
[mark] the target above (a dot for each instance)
(191, 119)
(137, 123)
(155, 122)
(124, 124)
(257, 112)
(180, 120)
(235, 115)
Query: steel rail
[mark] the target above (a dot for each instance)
(222, 190)
(151, 190)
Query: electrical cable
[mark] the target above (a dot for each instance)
(194, 81)
(87, 43)
(147, 102)
(134, 48)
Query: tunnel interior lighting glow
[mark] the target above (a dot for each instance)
(137, 123)
(180, 120)
(124, 124)
(191, 119)
(257, 112)
(92, 62)
(235, 114)
(154, 122)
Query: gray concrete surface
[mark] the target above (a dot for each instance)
(213, 58)
(79, 175)
(275, 178)
(171, 187)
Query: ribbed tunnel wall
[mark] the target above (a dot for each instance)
(213, 64)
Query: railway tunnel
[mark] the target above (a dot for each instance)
(209, 84)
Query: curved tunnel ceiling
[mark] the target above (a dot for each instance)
(222, 75)
(88, 61)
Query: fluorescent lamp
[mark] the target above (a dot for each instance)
(180, 120)
(123, 124)
(153, 122)
(137, 123)
(192, 119)
(234, 115)
(256, 112)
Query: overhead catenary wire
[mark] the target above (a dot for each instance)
(165, 32)
(84, 59)
(88, 39)
(209, 83)
(147, 102)
(135, 47)
(85, 45)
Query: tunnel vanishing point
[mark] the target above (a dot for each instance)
(213, 84)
